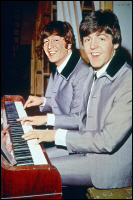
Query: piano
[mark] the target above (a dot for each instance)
(26, 172)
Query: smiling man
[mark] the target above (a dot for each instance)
(59, 53)
(99, 48)
(100, 152)
(64, 90)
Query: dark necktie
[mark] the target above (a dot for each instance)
(95, 77)
(56, 74)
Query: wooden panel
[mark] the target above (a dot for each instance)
(37, 58)
(106, 5)
(32, 85)
(29, 180)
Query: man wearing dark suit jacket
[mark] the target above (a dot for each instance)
(100, 153)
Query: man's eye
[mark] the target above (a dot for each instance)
(101, 39)
(45, 41)
(87, 40)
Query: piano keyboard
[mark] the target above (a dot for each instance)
(25, 152)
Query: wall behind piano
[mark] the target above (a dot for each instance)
(17, 24)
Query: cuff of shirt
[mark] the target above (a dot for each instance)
(51, 119)
(60, 137)
(44, 101)
(42, 105)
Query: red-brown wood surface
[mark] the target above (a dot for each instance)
(29, 182)
(33, 180)
(14, 98)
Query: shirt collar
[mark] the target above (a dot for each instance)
(103, 69)
(62, 66)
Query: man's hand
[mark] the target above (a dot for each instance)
(43, 135)
(34, 101)
(5, 130)
(4, 137)
(36, 120)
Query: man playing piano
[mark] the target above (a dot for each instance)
(63, 95)
(100, 152)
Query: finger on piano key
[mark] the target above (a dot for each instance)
(29, 136)
(30, 102)
(25, 120)
(26, 104)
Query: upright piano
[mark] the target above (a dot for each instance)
(26, 172)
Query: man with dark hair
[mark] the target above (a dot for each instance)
(100, 152)
(63, 94)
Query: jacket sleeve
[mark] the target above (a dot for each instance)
(115, 131)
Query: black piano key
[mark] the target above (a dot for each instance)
(24, 160)
(14, 123)
(22, 150)
(22, 153)
(20, 156)
(20, 133)
(16, 134)
(17, 140)
(20, 144)
(23, 143)
(17, 146)
(15, 128)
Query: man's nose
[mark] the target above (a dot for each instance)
(50, 44)
(93, 44)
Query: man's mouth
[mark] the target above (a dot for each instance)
(95, 55)
(52, 53)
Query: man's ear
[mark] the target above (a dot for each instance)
(116, 46)
(69, 46)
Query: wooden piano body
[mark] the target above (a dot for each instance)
(31, 181)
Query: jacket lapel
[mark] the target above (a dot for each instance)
(116, 63)
(71, 64)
